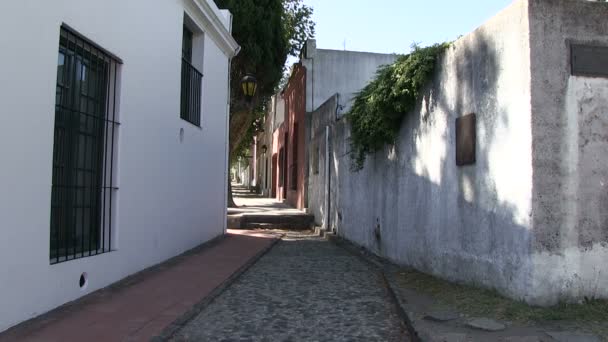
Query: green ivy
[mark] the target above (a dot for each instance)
(380, 107)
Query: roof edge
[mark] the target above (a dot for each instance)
(208, 16)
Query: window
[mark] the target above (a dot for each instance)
(281, 166)
(294, 160)
(191, 89)
(187, 45)
(85, 140)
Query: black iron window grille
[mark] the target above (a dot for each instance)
(84, 150)
(192, 80)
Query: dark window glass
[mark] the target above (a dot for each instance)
(187, 45)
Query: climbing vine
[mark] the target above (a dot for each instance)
(380, 107)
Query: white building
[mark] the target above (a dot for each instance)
(113, 141)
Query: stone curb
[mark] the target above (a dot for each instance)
(419, 333)
(407, 320)
(371, 260)
(179, 323)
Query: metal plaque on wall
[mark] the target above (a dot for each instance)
(466, 139)
(589, 60)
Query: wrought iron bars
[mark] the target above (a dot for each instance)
(191, 92)
(84, 147)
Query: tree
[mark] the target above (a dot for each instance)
(268, 31)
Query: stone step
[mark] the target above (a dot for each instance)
(295, 218)
(260, 221)
(285, 226)
(324, 233)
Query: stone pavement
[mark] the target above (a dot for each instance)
(255, 212)
(250, 203)
(142, 306)
(434, 321)
(304, 289)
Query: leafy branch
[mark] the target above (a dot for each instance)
(379, 108)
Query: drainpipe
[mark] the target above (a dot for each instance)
(313, 84)
(327, 181)
(227, 143)
(227, 147)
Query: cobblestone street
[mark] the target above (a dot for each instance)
(304, 289)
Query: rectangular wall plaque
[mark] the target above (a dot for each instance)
(589, 60)
(466, 139)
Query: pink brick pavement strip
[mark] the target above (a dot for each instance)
(144, 306)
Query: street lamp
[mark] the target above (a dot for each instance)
(249, 85)
(264, 149)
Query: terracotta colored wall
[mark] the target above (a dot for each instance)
(295, 102)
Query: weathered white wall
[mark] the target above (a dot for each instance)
(318, 184)
(529, 218)
(170, 190)
(569, 121)
(471, 223)
(344, 72)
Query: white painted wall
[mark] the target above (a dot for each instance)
(344, 72)
(570, 153)
(171, 191)
(280, 110)
(466, 224)
(529, 217)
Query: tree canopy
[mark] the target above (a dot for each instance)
(268, 31)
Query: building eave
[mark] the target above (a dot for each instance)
(207, 15)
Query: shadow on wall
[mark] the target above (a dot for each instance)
(413, 205)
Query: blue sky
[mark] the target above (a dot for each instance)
(389, 26)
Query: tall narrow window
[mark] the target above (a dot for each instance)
(281, 166)
(84, 149)
(187, 45)
(192, 80)
(294, 160)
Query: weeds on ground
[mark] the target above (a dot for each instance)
(592, 314)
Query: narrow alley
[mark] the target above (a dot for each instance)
(304, 170)
(305, 288)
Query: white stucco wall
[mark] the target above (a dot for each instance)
(570, 153)
(344, 72)
(467, 224)
(170, 195)
(529, 217)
